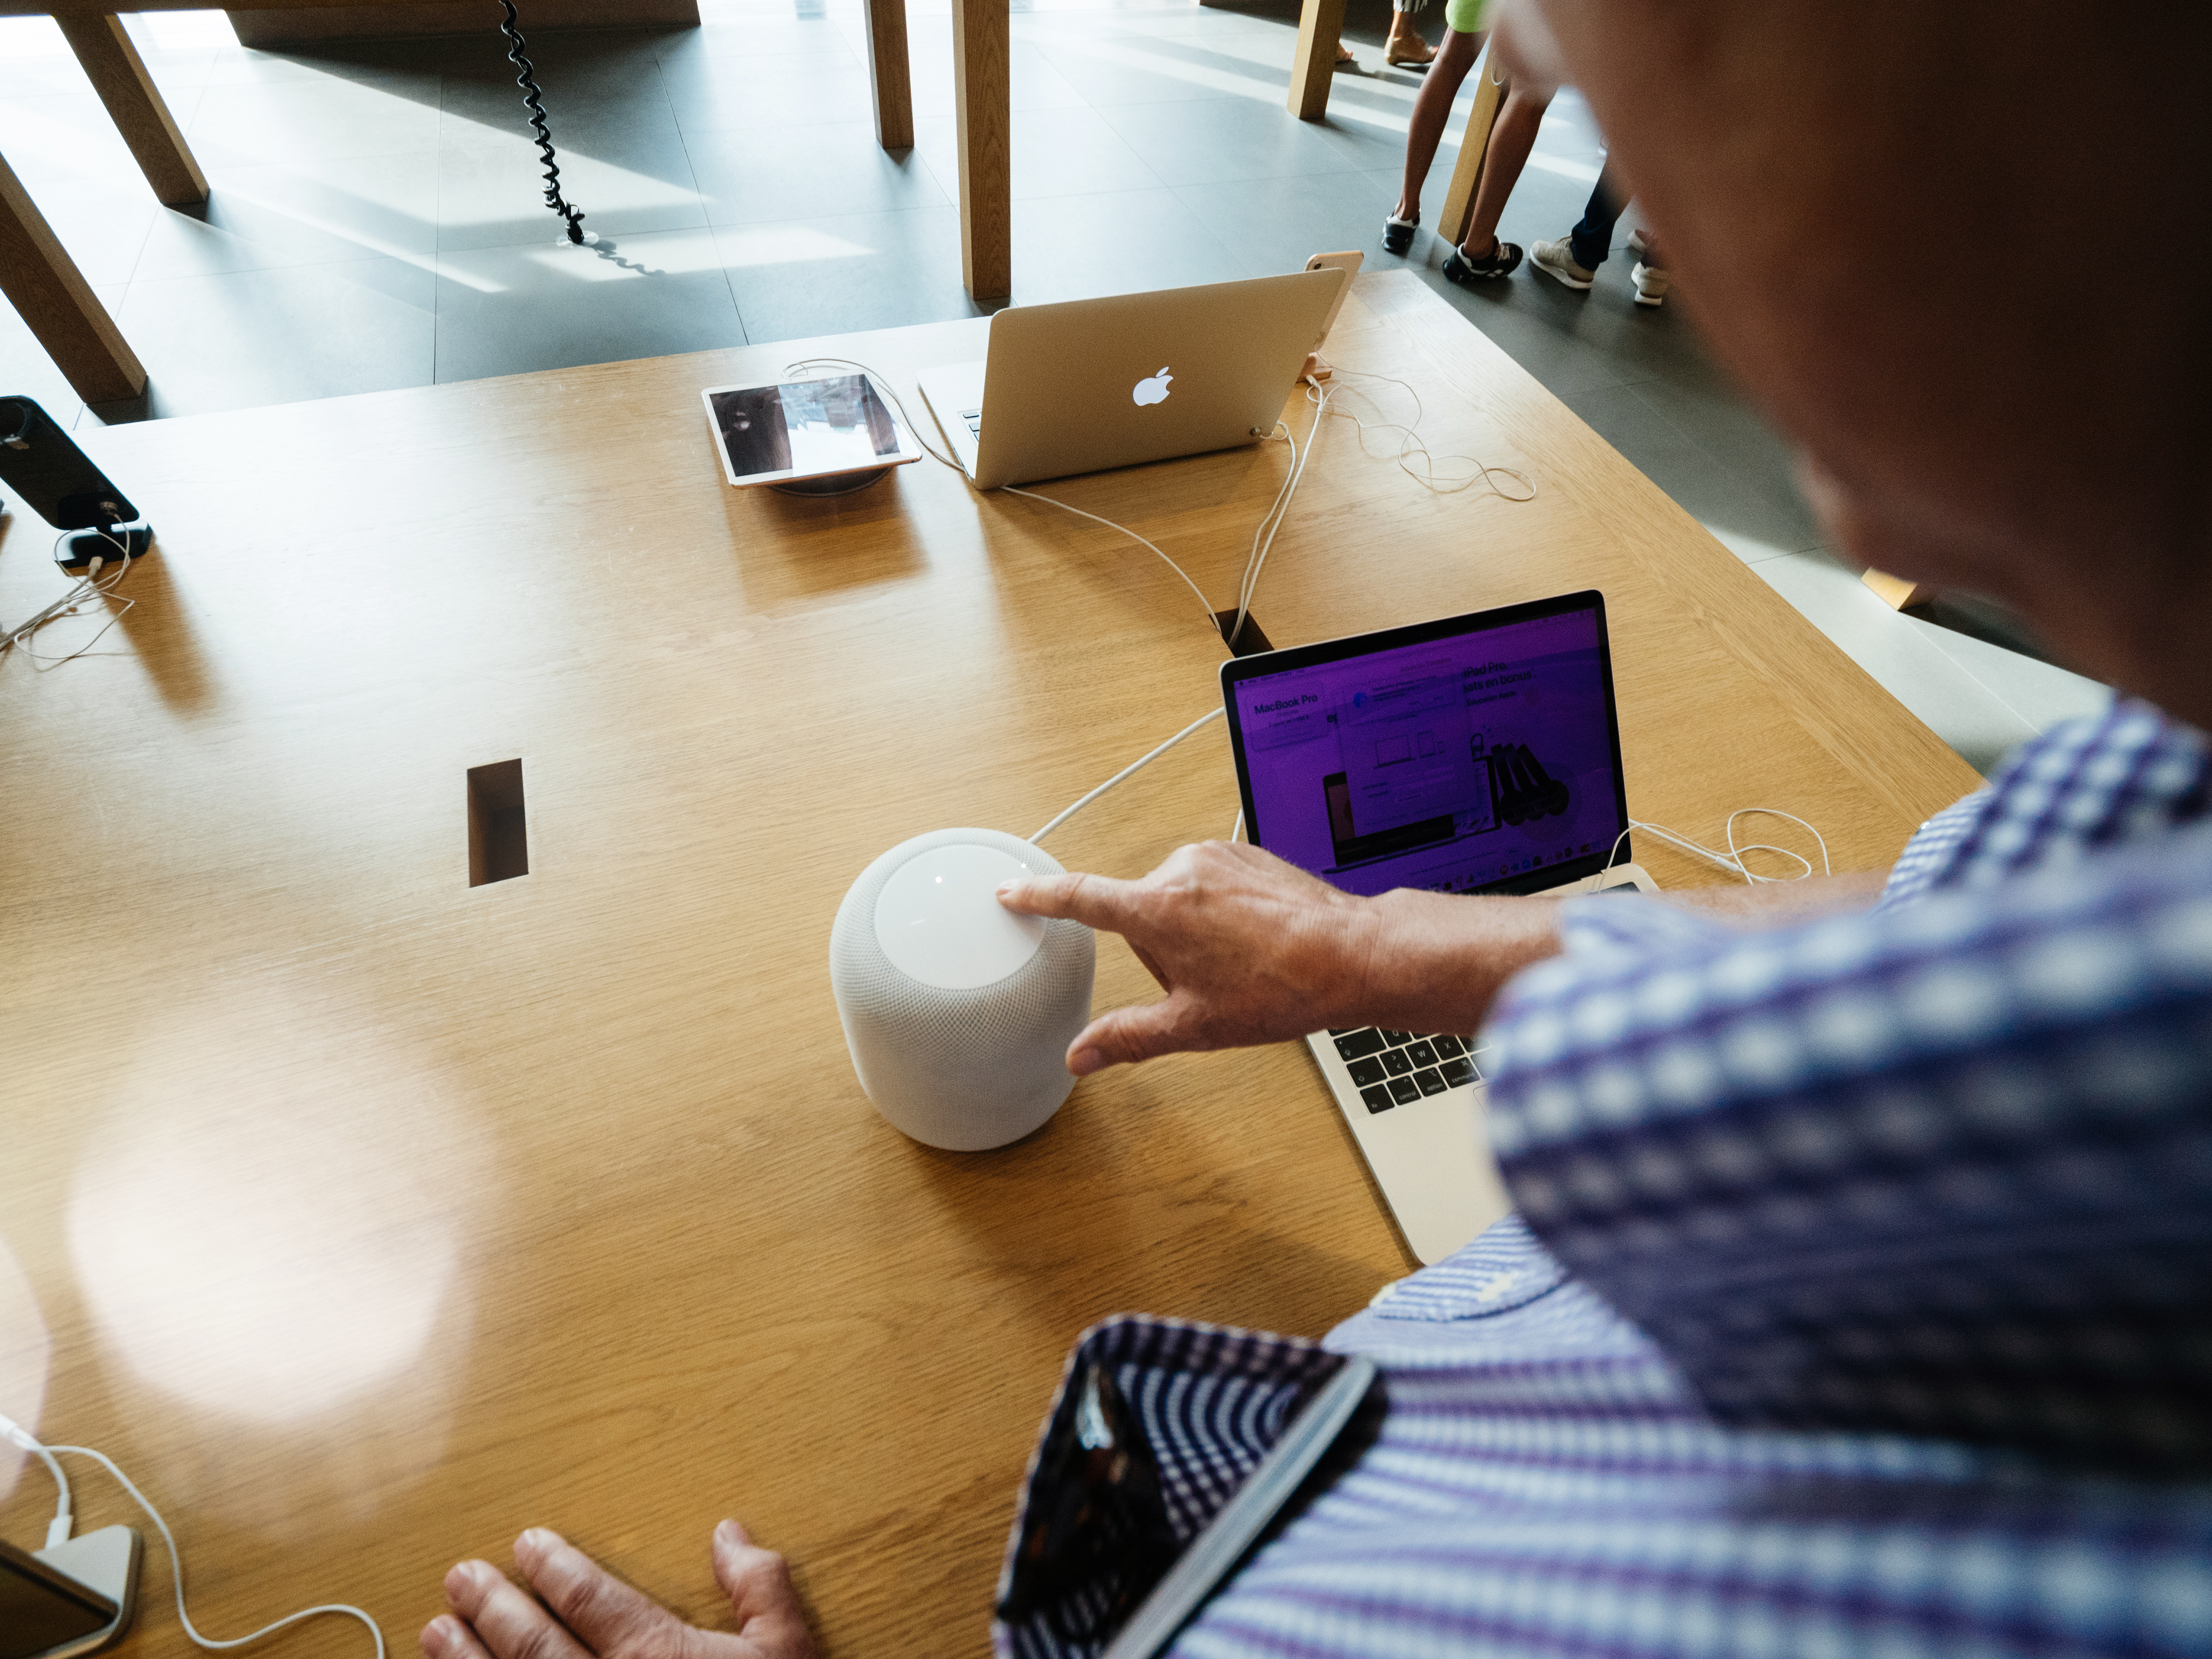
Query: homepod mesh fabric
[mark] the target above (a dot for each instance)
(961, 1069)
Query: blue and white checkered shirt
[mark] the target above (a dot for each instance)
(1860, 1295)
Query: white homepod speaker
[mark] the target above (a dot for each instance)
(959, 1012)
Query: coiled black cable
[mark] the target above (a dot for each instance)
(532, 97)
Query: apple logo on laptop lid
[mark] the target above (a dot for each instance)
(1153, 390)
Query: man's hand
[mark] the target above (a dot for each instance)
(1248, 949)
(1252, 949)
(581, 1611)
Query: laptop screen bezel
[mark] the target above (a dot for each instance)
(1289, 659)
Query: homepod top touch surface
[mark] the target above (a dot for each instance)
(958, 1012)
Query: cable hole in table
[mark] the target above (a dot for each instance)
(1251, 640)
(499, 839)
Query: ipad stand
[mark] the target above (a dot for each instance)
(837, 483)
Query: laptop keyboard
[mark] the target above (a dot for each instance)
(974, 419)
(1396, 1068)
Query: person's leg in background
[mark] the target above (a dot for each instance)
(1405, 47)
(1424, 130)
(1480, 257)
(1650, 276)
(1573, 259)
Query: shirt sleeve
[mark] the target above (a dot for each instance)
(1944, 1167)
(2126, 776)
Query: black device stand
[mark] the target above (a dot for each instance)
(77, 552)
(835, 484)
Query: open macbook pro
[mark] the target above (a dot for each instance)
(1477, 754)
(1090, 384)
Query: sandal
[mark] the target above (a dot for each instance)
(1398, 233)
(1502, 260)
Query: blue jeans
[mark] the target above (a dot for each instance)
(1592, 239)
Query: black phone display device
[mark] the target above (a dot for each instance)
(58, 482)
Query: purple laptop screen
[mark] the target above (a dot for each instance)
(1453, 764)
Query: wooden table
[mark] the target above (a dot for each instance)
(375, 1216)
(42, 283)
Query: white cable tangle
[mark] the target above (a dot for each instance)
(1410, 444)
(30, 1443)
(87, 588)
(1127, 771)
(1733, 858)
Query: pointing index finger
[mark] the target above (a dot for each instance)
(1094, 901)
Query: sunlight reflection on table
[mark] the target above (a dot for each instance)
(272, 1233)
(25, 1352)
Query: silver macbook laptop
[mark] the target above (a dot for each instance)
(1092, 384)
(1477, 754)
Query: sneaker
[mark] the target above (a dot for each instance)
(1556, 259)
(1650, 284)
(1502, 261)
(1637, 243)
(1398, 233)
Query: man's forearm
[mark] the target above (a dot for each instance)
(1438, 961)
(1782, 903)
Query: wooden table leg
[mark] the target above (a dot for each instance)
(889, 77)
(57, 305)
(980, 50)
(1320, 23)
(1898, 592)
(1473, 150)
(119, 75)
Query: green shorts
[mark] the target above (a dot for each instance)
(1465, 15)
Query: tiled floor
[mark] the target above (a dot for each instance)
(376, 222)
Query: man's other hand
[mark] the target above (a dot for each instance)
(581, 1611)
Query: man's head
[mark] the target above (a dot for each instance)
(1956, 251)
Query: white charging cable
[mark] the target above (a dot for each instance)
(87, 587)
(1203, 603)
(1270, 522)
(22, 1437)
(57, 1530)
(1258, 561)
(1733, 858)
(1129, 771)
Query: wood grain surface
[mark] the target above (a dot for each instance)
(50, 294)
(370, 1218)
(1313, 61)
(1473, 150)
(890, 73)
(982, 94)
(117, 74)
(107, 8)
